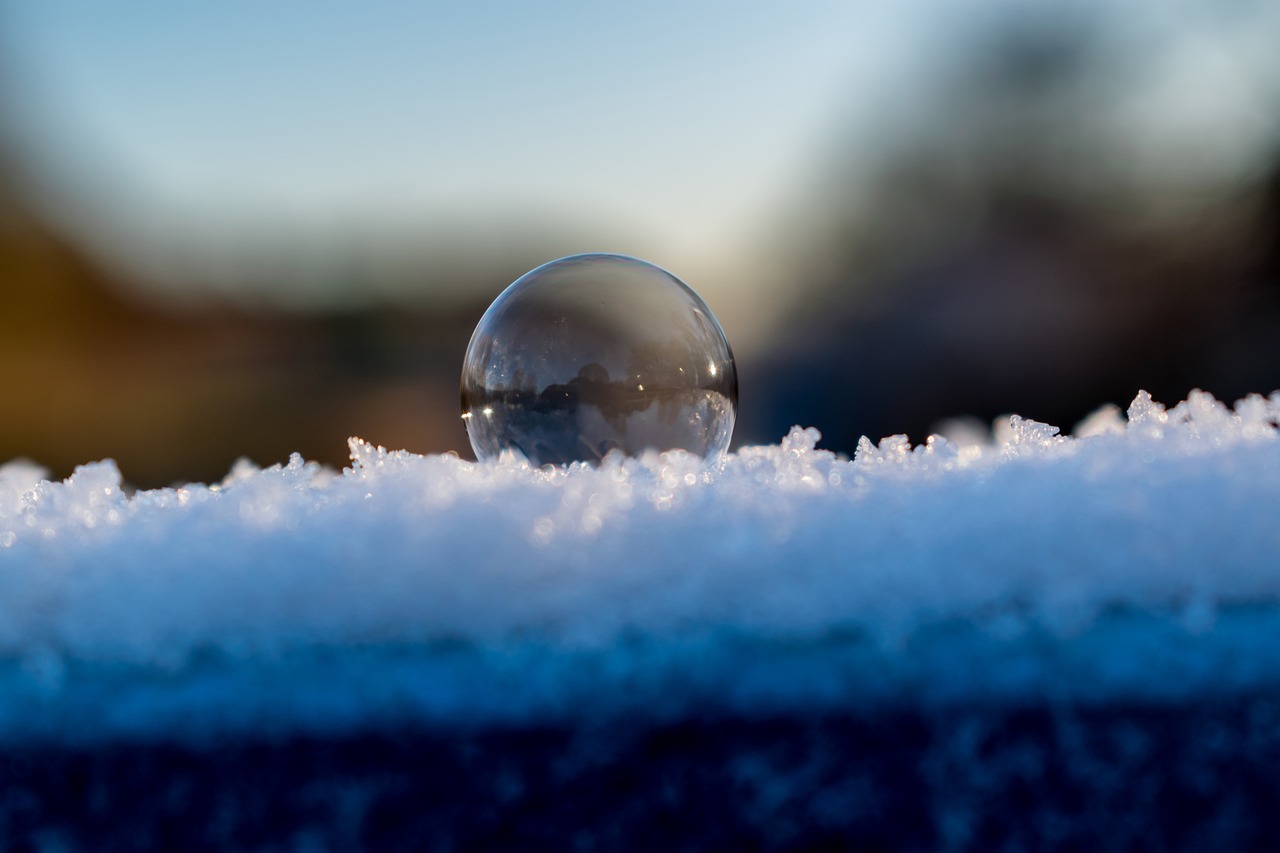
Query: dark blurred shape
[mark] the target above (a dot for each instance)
(178, 394)
(594, 353)
(1011, 258)
(1050, 775)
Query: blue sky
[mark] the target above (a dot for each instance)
(680, 132)
(677, 121)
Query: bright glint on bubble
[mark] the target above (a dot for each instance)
(594, 353)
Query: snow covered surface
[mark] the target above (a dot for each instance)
(1137, 560)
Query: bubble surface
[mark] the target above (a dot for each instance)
(594, 353)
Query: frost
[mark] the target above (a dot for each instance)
(1137, 557)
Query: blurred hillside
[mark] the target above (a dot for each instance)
(179, 392)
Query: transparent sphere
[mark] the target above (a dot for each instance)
(593, 353)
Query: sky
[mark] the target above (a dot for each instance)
(677, 123)
(679, 132)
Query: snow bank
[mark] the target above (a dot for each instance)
(1139, 559)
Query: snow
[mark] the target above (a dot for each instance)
(1137, 559)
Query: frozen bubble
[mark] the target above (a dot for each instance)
(593, 353)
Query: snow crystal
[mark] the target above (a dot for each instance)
(1139, 558)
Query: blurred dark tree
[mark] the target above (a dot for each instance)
(1010, 258)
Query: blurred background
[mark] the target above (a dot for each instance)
(246, 229)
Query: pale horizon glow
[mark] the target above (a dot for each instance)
(671, 128)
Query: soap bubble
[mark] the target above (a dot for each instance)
(593, 353)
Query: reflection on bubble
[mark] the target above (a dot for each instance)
(593, 353)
